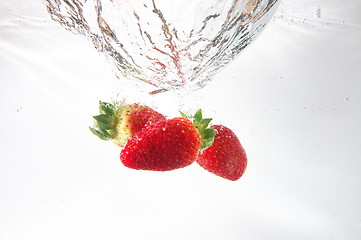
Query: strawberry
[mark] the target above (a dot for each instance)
(226, 157)
(120, 122)
(168, 145)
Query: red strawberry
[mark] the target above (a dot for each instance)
(167, 145)
(118, 122)
(226, 157)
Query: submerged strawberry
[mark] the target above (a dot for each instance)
(167, 145)
(226, 157)
(118, 122)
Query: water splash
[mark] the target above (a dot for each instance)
(167, 44)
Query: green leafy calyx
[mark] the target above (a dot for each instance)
(104, 123)
(207, 134)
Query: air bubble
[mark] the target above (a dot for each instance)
(318, 12)
(228, 52)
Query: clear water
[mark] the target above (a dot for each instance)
(168, 44)
(292, 96)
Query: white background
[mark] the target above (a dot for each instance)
(293, 98)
